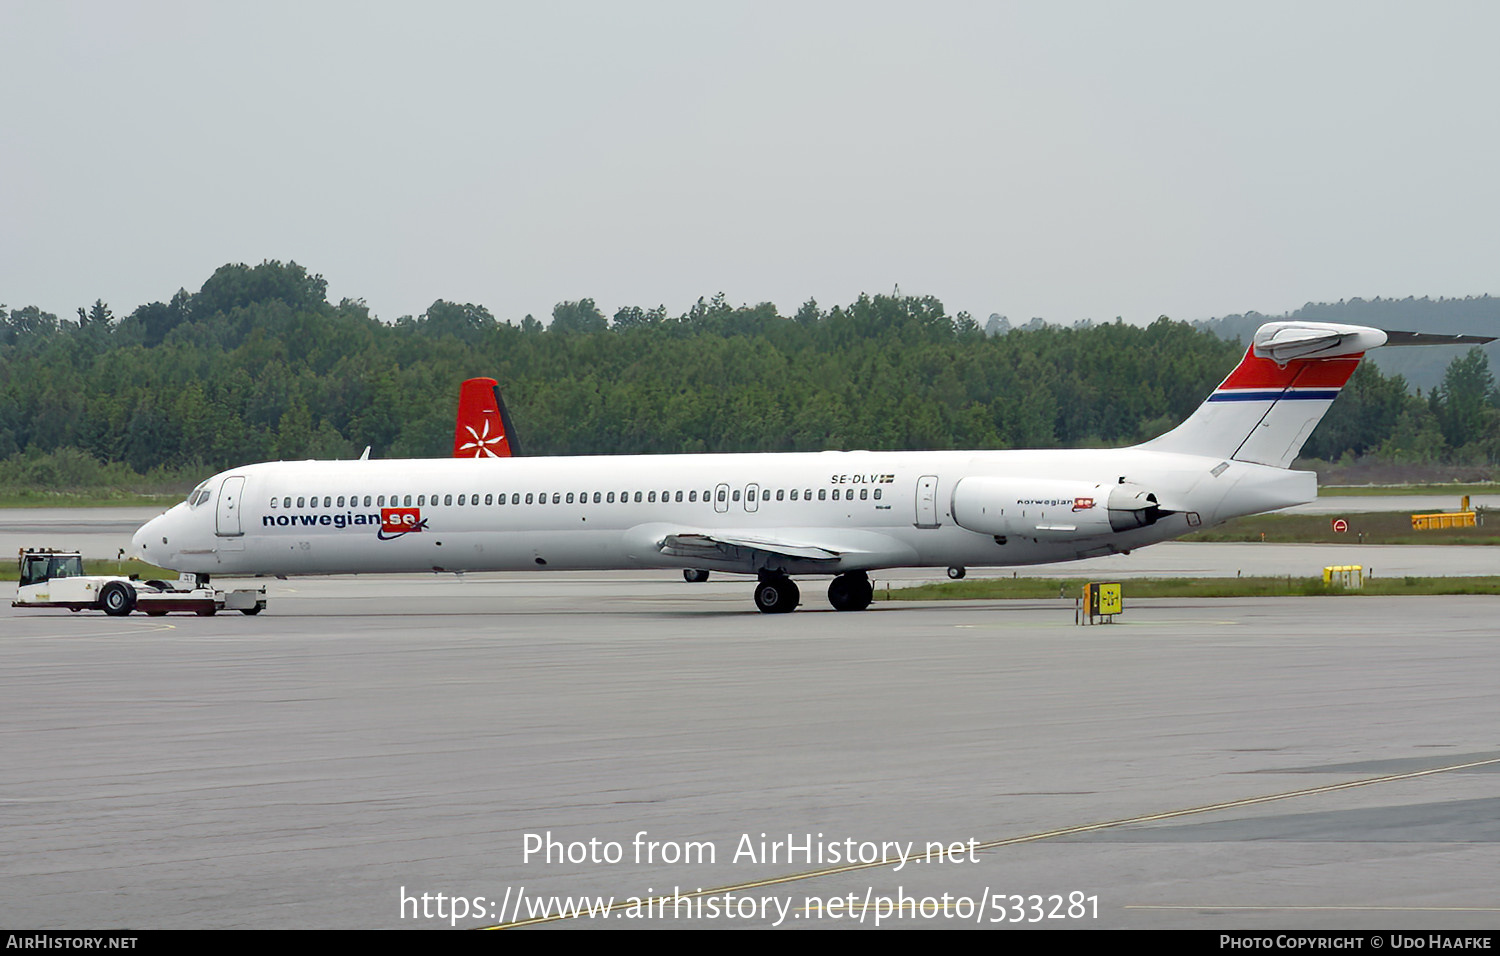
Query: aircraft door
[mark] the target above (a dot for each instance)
(927, 502)
(752, 497)
(229, 506)
(721, 498)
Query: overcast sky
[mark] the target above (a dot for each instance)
(1064, 160)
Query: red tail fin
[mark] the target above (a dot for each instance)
(483, 429)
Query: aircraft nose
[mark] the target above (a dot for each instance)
(140, 541)
(149, 543)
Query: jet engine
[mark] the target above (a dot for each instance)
(1055, 510)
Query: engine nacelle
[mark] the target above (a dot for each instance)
(1039, 508)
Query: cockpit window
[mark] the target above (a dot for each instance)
(199, 495)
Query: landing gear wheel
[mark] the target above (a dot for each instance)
(117, 599)
(776, 594)
(956, 573)
(694, 576)
(851, 592)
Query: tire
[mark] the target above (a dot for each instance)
(851, 592)
(956, 573)
(207, 612)
(156, 613)
(117, 599)
(250, 611)
(694, 576)
(776, 595)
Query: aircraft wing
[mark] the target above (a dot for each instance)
(699, 544)
(808, 549)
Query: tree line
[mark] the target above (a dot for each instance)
(258, 365)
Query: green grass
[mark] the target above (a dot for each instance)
(1009, 589)
(1455, 489)
(93, 498)
(1378, 527)
(11, 571)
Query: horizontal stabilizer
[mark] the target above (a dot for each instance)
(1283, 341)
(1431, 338)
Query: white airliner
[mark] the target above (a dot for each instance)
(775, 515)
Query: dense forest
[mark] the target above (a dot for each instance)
(258, 365)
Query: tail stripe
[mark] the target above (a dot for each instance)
(1291, 394)
(1255, 372)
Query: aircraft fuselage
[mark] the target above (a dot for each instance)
(800, 513)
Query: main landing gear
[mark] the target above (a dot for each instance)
(851, 591)
(775, 593)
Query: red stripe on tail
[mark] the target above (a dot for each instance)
(1255, 372)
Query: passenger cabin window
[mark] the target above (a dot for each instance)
(822, 494)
